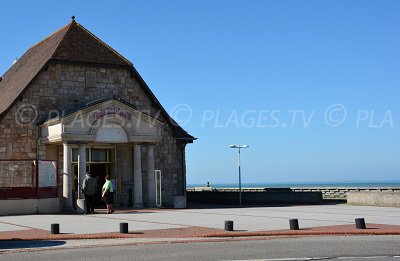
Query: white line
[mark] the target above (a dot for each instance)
(361, 257)
(285, 259)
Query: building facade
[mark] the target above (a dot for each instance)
(73, 100)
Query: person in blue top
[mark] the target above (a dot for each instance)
(108, 195)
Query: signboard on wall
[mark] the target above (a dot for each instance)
(47, 173)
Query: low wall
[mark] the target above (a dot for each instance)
(341, 193)
(382, 199)
(327, 192)
(254, 198)
(30, 206)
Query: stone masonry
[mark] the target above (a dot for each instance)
(60, 88)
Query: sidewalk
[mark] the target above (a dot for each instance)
(205, 223)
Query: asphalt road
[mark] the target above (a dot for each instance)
(306, 248)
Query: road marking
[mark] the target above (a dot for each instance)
(285, 259)
(361, 257)
(313, 258)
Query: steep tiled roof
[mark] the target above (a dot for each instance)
(72, 43)
(26, 68)
(80, 45)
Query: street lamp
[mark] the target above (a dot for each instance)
(240, 178)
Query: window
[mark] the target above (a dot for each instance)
(99, 155)
(92, 155)
(75, 153)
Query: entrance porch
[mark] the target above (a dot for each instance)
(108, 138)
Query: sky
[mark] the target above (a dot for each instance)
(311, 86)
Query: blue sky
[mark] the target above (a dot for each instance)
(311, 86)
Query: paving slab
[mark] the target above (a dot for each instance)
(176, 221)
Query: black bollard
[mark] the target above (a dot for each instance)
(55, 229)
(360, 223)
(294, 224)
(123, 228)
(228, 225)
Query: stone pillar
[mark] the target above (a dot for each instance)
(67, 178)
(81, 176)
(81, 167)
(151, 186)
(137, 177)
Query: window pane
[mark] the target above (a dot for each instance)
(74, 155)
(99, 155)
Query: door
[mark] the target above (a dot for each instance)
(99, 171)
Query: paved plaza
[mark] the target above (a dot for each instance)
(246, 219)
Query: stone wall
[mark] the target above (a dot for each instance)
(376, 198)
(341, 193)
(254, 198)
(166, 161)
(17, 173)
(60, 88)
(327, 192)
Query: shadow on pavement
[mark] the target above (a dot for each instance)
(18, 244)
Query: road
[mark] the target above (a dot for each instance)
(305, 248)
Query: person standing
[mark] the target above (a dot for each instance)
(89, 189)
(108, 195)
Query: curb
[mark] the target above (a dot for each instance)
(212, 235)
(66, 237)
(302, 233)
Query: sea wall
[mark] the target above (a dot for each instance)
(382, 199)
(341, 193)
(327, 192)
(254, 197)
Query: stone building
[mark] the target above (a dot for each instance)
(73, 100)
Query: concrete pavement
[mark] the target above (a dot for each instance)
(204, 222)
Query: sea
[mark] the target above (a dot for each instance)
(381, 184)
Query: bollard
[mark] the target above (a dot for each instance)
(123, 228)
(55, 229)
(360, 223)
(228, 225)
(294, 224)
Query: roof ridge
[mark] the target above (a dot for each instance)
(104, 44)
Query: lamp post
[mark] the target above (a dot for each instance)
(238, 147)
